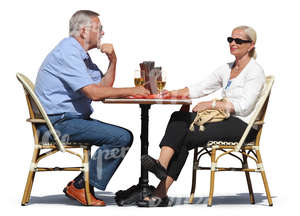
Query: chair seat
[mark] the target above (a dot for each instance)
(65, 144)
(227, 144)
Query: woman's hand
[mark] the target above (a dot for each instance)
(225, 106)
(202, 106)
(180, 93)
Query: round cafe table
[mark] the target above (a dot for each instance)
(142, 189)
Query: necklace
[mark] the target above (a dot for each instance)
(236, 69)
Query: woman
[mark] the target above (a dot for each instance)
(241, 81)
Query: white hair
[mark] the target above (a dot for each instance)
(79, 19)
(251, 34)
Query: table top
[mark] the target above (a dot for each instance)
(147, 101)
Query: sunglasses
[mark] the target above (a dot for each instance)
(238, 40)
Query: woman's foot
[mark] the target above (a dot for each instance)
(155, 201)
(166, 202)
(149, 201)
(154, 166)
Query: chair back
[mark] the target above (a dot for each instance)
(36, 110)
(259, 114)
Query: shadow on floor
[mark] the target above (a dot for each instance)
(108, 198)
(237, 199)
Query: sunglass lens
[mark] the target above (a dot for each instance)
(238, 41)
(229, 39)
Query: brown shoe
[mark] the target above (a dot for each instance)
(79, 194)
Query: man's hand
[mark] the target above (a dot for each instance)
(140, 91)
(202, 106)
(108, 49)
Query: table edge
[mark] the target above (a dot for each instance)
(147, 101)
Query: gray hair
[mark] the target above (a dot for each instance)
(79, 19)
(251, 35)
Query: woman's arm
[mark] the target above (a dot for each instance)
(180, 93)
(226, 106)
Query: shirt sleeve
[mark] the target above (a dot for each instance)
(253, 85)
(74, 71)
(208, 85)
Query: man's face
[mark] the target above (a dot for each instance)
(94, 33)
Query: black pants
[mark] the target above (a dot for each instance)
(181, 139)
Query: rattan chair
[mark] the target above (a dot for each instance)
(38, 116)
(237, 150)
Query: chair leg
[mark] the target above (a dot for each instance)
(263, 175)
(86, 157)
(28, 188)
(195, 165)
(212, 177)
(251, 194)
(30, 178)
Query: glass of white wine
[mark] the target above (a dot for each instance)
(161, 83)
(138, 80)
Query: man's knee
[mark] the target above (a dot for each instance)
(126, 139)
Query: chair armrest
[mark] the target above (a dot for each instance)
(36, 120)
(259, 123)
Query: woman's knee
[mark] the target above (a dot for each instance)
(175, 114)
(181, 116)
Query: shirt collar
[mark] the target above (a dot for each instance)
(83, 53)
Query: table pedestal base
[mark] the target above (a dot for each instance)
(132, 194)
(142, 189)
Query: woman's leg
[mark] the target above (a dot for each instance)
(171, 148)
(163, 187)
(174, 136)
(228, 130)
(166, 153)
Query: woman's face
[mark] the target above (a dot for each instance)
(240, 50)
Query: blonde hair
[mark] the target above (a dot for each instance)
(79, 19)
(251, 35)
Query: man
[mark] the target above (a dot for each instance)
(66, 84)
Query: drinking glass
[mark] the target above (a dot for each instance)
(161, 83)
(138, 80)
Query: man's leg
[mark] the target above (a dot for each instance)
(113, 142)
(112, 150)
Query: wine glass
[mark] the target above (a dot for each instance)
(138, 80)
(161, 82)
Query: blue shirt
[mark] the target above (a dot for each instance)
(66, 70)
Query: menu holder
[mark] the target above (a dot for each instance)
(150, 74)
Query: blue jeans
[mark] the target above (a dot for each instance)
(113, 142)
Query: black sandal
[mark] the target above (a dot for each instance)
(154, 166)
(153, 201)
(166, 202)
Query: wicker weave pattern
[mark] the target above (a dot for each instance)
(224, 143)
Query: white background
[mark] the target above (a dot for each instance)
(188, 39)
